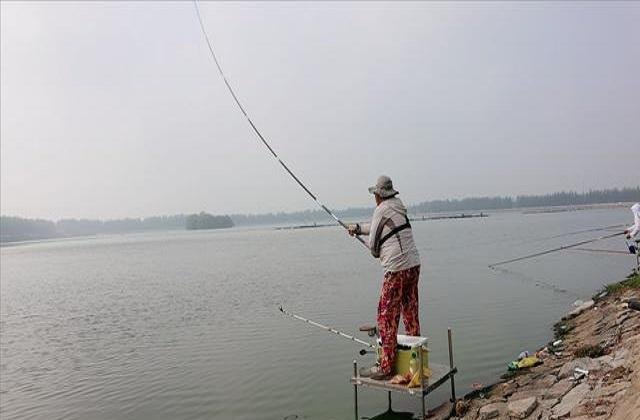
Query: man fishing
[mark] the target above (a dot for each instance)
(391, 240)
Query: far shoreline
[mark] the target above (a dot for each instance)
(294, 225)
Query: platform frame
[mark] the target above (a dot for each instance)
(440, 374)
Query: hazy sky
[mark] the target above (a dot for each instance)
(116, 109)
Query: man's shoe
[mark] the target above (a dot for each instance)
(381, 376)
(367, 372)
(374, 372)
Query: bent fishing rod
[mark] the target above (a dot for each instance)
(328, 329)
(257, 132)
(560, 248)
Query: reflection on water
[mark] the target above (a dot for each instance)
(185, 324)
(392, 415)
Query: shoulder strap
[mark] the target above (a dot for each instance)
(395, 230)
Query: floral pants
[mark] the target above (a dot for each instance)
(399, 295)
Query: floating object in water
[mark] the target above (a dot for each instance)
(259, 134)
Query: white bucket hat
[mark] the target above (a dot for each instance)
(383, 187)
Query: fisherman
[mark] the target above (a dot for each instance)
(391, 240)
(633, 232)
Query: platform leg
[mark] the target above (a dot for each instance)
(453, 385)
(355, 390)
(389, 397)
(421, 367)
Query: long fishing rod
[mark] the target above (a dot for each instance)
(609, 251)
(560, 248)
(577, 232)
(255, 129)
(324, 327)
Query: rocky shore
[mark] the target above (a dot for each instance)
(590, 370)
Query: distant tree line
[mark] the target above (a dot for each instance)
(207, 221)
(305, 216)
(74, 227)
(562, 198)
(614, 195)
(19, 229)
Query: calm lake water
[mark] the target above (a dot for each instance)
(185, 325)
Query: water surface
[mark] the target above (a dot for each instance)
(184, 325)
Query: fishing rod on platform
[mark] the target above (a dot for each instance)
(257, 132)
(560, 248)
(329, 329)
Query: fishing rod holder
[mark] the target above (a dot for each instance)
(371, 330)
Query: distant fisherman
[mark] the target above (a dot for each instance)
(633, 232)
(391, 240)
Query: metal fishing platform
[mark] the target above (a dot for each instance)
(440, 374)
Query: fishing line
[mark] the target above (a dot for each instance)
(537, 282)
(577, 232)
(518, 241)
(610, 251)
(257, 132)
(324, 327)
(560, 248)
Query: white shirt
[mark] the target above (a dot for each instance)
(399, 252)
(635, 229)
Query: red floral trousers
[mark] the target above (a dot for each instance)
(399, 295)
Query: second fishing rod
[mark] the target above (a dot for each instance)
(560, 248)
(330, 329)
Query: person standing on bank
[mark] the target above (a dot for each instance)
(633, 232)
(391, 240)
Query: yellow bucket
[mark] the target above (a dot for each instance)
(407, 346)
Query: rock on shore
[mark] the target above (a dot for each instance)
(593, 373)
